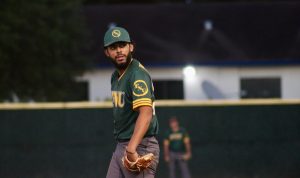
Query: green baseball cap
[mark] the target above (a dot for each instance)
(116, 34)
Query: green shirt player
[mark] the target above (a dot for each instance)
(177, 148)
(135, 122)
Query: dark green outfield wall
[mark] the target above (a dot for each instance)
(261, 141)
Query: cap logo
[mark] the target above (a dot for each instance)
(116, 33)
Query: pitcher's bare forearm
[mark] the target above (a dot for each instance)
(141, 127)
(166, 147)
(166, 150)
(188, 147)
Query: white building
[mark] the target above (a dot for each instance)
(206, 82)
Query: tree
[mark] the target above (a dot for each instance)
(41, 44)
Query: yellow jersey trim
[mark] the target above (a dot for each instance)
(125, 70)
(143, 104)
(142, 99)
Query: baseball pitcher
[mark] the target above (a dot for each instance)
(135, 123)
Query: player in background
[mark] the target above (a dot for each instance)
(135, 122)
(177, 148)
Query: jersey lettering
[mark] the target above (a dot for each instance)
(118, 99)
(176, 136)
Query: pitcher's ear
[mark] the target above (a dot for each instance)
(131, 47)
(106, 52)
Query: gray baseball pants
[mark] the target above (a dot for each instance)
(178, 157)
(116, 168)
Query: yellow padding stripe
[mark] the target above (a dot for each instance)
(54, 105)
(159, 103)
(229, 102)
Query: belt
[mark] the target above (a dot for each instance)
(127, 140)
(123, 140)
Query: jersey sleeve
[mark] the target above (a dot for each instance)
(185, 134)
(113, 76)
(142, 89)
(166, 135)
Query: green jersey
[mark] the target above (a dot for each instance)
(131, 90)
(176, 139)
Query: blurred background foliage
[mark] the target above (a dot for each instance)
(41, 44)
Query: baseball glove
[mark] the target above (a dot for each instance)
(143, 162)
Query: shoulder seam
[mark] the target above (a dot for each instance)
(143, 68)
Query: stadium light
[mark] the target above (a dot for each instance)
(208, 25)
(189, 71)
(111, 25)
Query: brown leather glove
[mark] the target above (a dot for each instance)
(141, 163)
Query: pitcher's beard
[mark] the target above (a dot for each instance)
(122, 66)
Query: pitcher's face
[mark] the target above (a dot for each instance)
(120, 54)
